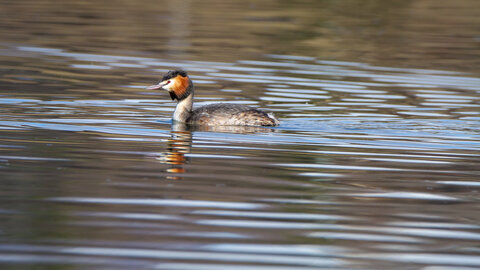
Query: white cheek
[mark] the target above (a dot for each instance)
(170, 86)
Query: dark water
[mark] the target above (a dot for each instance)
(375, 164)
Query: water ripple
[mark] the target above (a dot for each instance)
(406, 195)
(160, 202)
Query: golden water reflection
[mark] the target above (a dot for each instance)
(180, 144)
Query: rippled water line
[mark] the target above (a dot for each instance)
(348, 153)
(364, 237)
(433, 233)
(290, 90)
(271, 215)
(82, 56)
(460, 183)
(298, 96)
(386, 234)
(432, 80)
(268, 225)
(367, 66)
(411, 144)
(423, 233)
(390, 145)
(419, 224)
(202, 256)
(37, 260)
(420, 161)
(422, 258)
(392, 136)
(161, 202)
(197, 266)
(287, 249)
(32, 158)
(200, 234)
(255, 77)
(340, 167)
(137, 131)
(318, 260)
(405, 195)
(134, 216)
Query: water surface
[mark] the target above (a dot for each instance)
(374, 166)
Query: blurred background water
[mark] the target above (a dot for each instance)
(375, 164)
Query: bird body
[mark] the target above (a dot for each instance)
(180, 88)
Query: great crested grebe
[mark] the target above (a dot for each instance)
(180, 87)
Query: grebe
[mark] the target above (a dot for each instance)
(180, 88)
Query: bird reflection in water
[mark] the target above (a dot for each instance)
(180, 144)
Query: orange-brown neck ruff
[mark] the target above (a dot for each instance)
(180, 88)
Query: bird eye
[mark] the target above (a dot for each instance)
(168, 82)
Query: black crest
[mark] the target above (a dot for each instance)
(173, 74)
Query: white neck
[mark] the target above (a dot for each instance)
(183, 109)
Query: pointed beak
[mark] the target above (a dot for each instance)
(156, 87)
